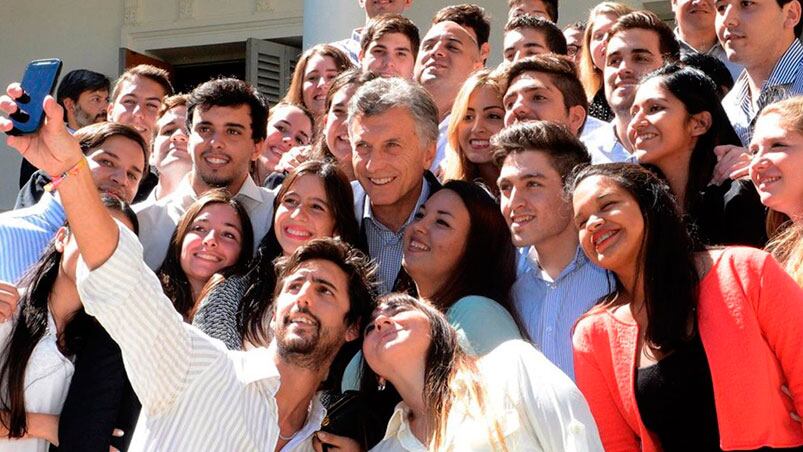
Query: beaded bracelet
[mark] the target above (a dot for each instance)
(54, 184)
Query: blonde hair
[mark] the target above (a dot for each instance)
(787, 247)
(456, 165)
(590, 76)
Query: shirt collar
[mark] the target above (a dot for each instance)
(399, 428)
(686, 46)
(785, 71)
(257, 364)
(579, 260)
(369, 214)
(249, 190)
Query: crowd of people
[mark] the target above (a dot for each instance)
(596, 245)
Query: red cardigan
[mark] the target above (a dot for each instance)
(750, 316)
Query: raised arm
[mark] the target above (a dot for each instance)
(114, 283)
(56, 152)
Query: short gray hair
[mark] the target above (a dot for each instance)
(381, 94)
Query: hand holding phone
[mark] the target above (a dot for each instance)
(52, 148)
(38, 81)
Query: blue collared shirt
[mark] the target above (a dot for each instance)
(604, 147)
(386, 246)
(25, 233)
(550, 308)
(786, 80)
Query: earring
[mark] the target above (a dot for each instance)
(381, 385)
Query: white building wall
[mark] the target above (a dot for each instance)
(84, 34)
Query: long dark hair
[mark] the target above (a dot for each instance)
(447, 367)
(31, 326)
(698, 93)
(174, 281)
(258, 298)
(488, 265)
(665, 260)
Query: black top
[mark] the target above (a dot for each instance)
(675, 399)
(730, 214)
(99, 400)
(599, 108)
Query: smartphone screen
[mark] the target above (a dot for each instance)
(38, 81)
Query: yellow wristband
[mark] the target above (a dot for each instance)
(54, 184)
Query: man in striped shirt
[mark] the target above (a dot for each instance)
(196, 393)
(117, 158)
(556, 283)
(762, 36)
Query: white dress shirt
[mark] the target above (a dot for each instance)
(538, 409)
(47, 380)
(158, 219)
(197, 394)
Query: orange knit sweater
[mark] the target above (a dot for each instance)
(750, 317)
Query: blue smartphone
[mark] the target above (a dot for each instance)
(38, 81)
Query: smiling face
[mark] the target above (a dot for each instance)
(303, 214)
(389, 158)
(336, 129)
(448, 55)
(288, 127)
(435, 241)
(396, 334)
(390, 56)
(212, 244)
(776, 166)
(531, 198)
(170, 144)
(755, 33)
(661, 128)
(221, 147)
(601, 25)
(694, 16)
(117, 167)
(318, 75)
(309, 318)
(631, 54)
(533, 96)
(484, 118)
(137, 105)
(610, 224)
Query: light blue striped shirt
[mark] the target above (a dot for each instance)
(550, 308)
(786, 80)
(386, 246)
(25, 233)
(604, 147)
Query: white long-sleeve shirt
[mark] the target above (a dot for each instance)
(197, 394)
(47, 380)
(537, 406)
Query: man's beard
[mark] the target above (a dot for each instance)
(83, 119)
(215, 181)
(313, 352)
